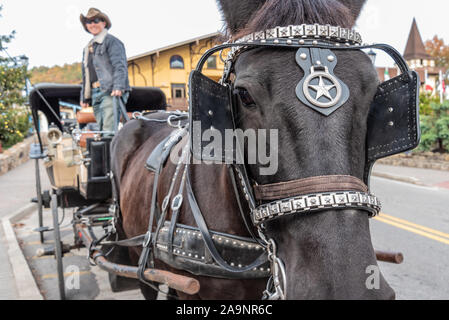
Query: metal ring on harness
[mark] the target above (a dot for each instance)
(137, 115)
(177, 202)
(220, 55)
(171, 118)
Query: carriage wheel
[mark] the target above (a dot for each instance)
(58, 246)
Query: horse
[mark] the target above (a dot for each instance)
(326, 254)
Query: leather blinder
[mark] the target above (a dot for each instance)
(393, 121)
(210, 116)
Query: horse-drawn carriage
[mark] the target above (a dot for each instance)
(76, 157)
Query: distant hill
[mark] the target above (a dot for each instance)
(69, 74)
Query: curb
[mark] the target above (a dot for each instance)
(25, 283)
(399, 178)
(15, 156)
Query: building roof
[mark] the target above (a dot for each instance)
(392, 73)
(179, 44)
(415, 48)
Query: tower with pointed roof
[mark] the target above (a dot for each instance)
(415, 52)
(423, 63)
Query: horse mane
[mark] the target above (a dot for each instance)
(296, 12)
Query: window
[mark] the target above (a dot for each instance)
(178, 91)
(212, 62)
(176, 62)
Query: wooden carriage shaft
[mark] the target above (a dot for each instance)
(390, 257)
(177, 282)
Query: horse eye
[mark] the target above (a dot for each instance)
(245, 97)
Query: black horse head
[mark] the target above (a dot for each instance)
(326, 255)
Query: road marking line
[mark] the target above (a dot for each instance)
(416, 226)
(67, 274)
(413, 230)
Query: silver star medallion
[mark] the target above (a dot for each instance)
(322, 90)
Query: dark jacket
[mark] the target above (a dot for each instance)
(110, 64)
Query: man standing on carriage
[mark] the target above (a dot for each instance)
(104, 68)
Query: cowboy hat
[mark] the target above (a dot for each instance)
(92, 14)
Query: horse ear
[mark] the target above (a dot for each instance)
(355, 6)
(237, 13)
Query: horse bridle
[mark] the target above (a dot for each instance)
(304, 196)
(316, 193)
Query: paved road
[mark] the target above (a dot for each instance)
(17, 187)
(415, 221)
(83, 281)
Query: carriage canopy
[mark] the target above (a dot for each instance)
(47, 98)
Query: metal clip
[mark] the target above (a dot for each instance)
(147, 240)
(277, 284)
(279, 280)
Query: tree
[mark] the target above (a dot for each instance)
(14, 122)
(67, 74)
(439, 51)
(426, 99)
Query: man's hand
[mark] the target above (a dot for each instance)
(116, 93)
(84, 105)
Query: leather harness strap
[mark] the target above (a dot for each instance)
(312, 185)
(201, 223)
(146, 257)
(176, 208)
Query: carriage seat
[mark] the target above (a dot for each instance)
(85, 117)
(89, 117)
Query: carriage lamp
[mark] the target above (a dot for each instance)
(54, 135)
(24, 60)
(372, 55)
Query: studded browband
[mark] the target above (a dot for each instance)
(315, 194)
(298, 35)
(306, 31)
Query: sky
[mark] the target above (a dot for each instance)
(49, 32)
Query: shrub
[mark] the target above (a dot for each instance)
(14, 125)
(435, 128)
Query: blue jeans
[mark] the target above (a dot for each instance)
(103, 105)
